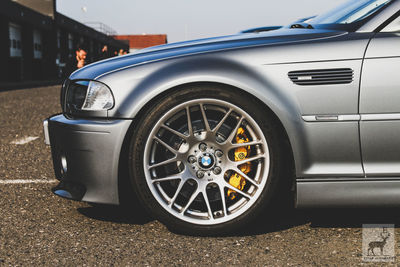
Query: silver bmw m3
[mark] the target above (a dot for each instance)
(209, 134)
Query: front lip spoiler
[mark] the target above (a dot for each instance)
(69, 190)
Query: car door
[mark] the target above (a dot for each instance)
(380, 104)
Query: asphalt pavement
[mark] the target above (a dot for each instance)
(40, 229)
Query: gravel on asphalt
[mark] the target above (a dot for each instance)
(38, 228)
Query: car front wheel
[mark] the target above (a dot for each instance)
(206, 160)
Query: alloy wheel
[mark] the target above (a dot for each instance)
(206, 161)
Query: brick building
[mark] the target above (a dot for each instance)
(38, 43)
(142, 41)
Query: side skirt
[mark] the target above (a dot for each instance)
(348, 193)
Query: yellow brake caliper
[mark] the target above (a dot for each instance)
(241, 153)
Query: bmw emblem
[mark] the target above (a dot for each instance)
(206, 161)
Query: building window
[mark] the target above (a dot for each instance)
(15, 40)
(37, 44)
(91, 51)
(70, 43)
(58, 39)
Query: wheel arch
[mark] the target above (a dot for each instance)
(123, 167)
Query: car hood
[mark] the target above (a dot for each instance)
(238, 41)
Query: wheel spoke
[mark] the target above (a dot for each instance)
(173, 150)
(234, 132)
(216, 129)
(248, 179)
(190, 201)
(223, 199)
(181, 135)
(205, 197)
(203, 113)
(228, 185)
(155, 165)
(238, 163)
(167, 178)
(178, 190)
(237, 145)
(189, 121)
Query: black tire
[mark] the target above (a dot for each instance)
(265, 119)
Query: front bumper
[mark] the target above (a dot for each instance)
(86, 157)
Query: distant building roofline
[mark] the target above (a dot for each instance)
(138, 41)
(73, 25)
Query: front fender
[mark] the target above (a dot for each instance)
(133, 88)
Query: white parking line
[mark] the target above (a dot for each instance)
(27, 181)
(24, 140)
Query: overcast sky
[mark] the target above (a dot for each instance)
(191, 19)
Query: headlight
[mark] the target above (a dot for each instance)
(98, 97)
(89, 96)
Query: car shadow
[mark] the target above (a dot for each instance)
(117, 214)
(353, 218)
(269, 222)
(321, 218)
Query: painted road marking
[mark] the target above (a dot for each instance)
(27, 181)
(24, 140)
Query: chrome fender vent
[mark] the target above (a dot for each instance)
(321, 77)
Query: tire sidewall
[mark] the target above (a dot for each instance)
(265, 120)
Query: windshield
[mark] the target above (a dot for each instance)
(350, 12)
